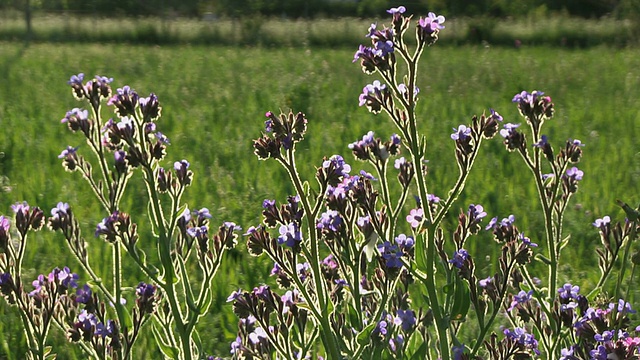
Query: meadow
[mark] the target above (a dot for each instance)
(214, 100)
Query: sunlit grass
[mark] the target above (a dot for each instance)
(214, 99)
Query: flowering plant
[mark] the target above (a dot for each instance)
(366, 284)
(95, 315)
(363, 271)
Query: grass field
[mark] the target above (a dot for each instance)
(213, 102)
(535, 29)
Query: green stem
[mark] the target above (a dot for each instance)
(327, 335)
(164, 253)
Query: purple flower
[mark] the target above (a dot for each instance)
(508, 129)
(83, 294)
(390, 254)
(568, 291)
(199, 232)
(373, 94)
(364, 52)
(599, 353)
(399, 162)
(604, 337)
(162, 138)
(461, 133)
(576, 142)
(236, 345)
(459, 258)
(103, 330)
(383, 48)
(202, 214)
(369, 137)
(574, 173)
(521, 336)
(87, 320)
(404, 90)
(70, 151)
(405, 242)
(405, 318)
(258, 334)
(432, 199)
(485, 282)
(542, 142)
(76, 79)
(415, 217)
(476, 213)
(290, 235)
(521, 298)
(602, 223)
(38, 285)
(66, 278)
(525, 98)
(145, 290)
(494, 115)
(525, 240)
(381, 328)
(235, 295)
(431, 23)
(398, 10)
(625, 307)
(340, 167)
(329, 220)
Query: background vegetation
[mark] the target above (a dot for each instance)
(214, 98)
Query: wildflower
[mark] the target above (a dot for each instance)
(520, 336)
(329, 220)
(146, 297)
(476, 213)
(391, 255)
(150, 107)
(404, 90)
(375, 95)
(599, 353)
(574, 173)
(107, 227)
(398, 10)
(602, 223)
(459, 257)
(405, 318)
(461, 133)
(568, 291)
(606, 336)
(519, 299)
(65, 277)
(431, 23)
(405, 242)
(526, 241)
(415, 217)
(484, 283)
(83, 294)
(290, 235)
(183, 175)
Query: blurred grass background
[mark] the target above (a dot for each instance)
(214, 99)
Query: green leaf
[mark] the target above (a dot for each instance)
(208, 298)
(364, 335)
(171, 352)
(128, 321)
(461, 300)
(417, 347)
(421, 253)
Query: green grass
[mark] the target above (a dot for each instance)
(540, 29)
(214, 99)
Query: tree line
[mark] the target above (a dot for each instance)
(326, 8)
